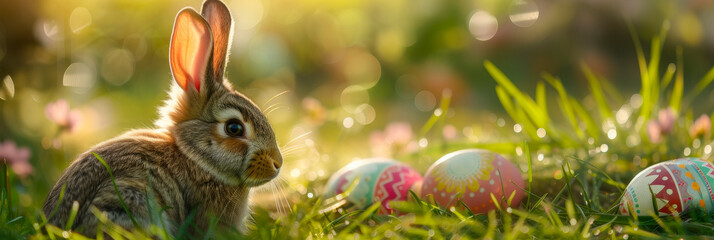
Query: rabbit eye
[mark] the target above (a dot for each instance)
(234, 128)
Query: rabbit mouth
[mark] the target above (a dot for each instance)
(261, 172)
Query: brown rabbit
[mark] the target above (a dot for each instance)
(210, 146)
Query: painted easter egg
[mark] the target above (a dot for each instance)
(472, 175)
(678, 185)
(380, 179)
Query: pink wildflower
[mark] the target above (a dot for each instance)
(654, 131)
(16, 158)
(662, 126)
(59, 113)
(397, 137)
(315, 112)
(450, 132)
(701, 127)
(666, 120)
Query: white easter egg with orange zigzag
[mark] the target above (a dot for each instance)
(678, 185)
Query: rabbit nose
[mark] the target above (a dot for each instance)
(277, 160)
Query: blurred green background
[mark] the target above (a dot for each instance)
(339, 73)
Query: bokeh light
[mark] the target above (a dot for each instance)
(523, 13)
(482, 25)
(117, 66)
(79, 19)
(79, 76)
(7, 90)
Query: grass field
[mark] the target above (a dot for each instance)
(346, 81)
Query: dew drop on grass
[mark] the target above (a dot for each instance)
(540, 132)
(519, 151)
(423, 142)
(696, 143)
(604, 147)
(707, 149)
(612, 134)
(348, 122)
(517, 128)
(687, 151)
(523, 13)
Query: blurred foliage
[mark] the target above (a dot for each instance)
(341, 80)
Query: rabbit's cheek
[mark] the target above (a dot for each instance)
(234, 146)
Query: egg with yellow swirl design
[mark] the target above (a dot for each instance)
(472, 175)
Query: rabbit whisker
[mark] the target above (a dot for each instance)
(291, 149)
(274, 105)
(273, 110)
(296, 138)
(274, 97)
(285, 198)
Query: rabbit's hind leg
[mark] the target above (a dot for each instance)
(107, 201)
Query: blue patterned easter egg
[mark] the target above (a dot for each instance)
(678, 185)
(380, 179)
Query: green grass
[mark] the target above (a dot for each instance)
(575, 173)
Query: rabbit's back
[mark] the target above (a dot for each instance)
(149, 172)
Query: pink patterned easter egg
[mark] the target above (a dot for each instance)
(678, 185)
(380, 179)
(472, 175)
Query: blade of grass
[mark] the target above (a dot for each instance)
(653, 68)
(565, 105)
(541, 97)
(646, 90)
(668, 76)
(72, 216)
(585, 116)
(116, 189)
(539, 116)
(527, 151)
(702, 84)
(596, 90)
(444, 107)
(676, 96)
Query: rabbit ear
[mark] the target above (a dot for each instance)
(190, 49)
(219, 18)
